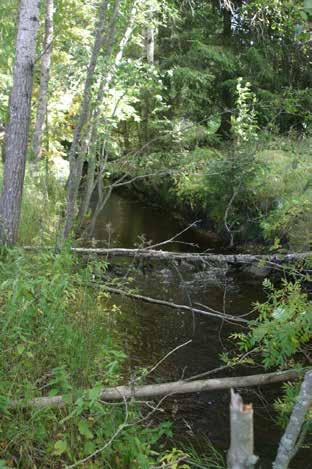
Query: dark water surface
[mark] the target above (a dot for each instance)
(149, 332)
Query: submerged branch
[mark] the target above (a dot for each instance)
(211, 312)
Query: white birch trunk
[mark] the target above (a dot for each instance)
(149, 45)
(44, 81)
(150, 32)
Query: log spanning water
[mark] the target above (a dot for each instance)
(149, 391)
(273, 259)
(270, 260)
(253, 264)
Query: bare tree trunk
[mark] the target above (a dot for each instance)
(241, 452)
(79, 134)
(44, 81)
(150, 38)
(18, 126)
(289, 443)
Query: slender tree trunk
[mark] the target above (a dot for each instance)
(19, 117)
(150, 38)
(79, 134)
(289, 442)
(149, 43)
(88, 190)
(103, 89)
(44, 81)
(226, 97)
(104, 85)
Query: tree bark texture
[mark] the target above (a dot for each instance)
(19, 117)
(241, 452)
(121, 393)
(44, 81)
(287, 447)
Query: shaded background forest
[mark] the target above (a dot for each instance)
(212, 102)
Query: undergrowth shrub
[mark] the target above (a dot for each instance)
(283, 328)
(55, 339)
(42, 206)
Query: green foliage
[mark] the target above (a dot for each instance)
(281, 335)
(206, 455)
(283, 327)
(245, 122)
(55, 339)
(43, 202)
(284, 406)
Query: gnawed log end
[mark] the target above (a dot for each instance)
(241, 452)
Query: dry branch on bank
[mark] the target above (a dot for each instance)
(210, 312)
(149, 391)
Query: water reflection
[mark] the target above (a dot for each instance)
(125, 222)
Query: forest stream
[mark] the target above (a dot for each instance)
(149, 332)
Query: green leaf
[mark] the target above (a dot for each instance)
(89, 447)
(85, 430)
(60, 447)
(20, 349)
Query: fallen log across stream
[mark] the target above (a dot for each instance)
(149, 391)
(210, 312)
(270, 259)
(195, 257)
